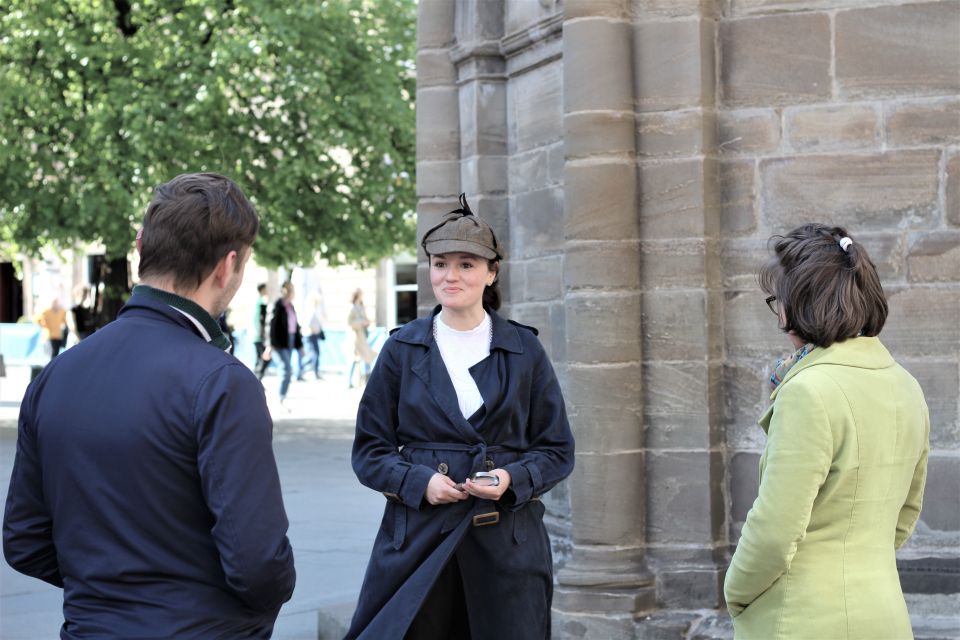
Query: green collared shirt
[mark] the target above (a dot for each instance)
(205, 323)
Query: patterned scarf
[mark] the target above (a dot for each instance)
(785, 364)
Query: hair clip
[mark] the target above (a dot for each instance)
(845, 242)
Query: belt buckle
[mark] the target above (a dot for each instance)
(483, 519)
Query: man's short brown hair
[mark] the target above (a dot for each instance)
(192, 222)
(828, 291)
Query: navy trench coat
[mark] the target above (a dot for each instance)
(409, 426)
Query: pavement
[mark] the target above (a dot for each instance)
(333, 518)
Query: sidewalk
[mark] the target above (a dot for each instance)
(333, 518)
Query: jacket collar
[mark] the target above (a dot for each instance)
(860, 353)
(505, 336)
(183, 309)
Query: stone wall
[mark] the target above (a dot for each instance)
(634, 156)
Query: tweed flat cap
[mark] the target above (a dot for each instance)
(462, 232)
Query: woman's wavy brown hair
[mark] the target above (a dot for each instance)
(827, 294)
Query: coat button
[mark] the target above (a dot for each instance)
(488, 463)
(443, 468)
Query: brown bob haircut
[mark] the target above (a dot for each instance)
(192, 222)
(826, 293)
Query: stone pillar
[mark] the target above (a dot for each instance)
(482, 94)
(605, 584)
(675, 80)
(438, 128)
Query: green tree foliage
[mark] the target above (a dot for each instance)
(307, 105)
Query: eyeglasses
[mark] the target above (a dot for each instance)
(772, 304)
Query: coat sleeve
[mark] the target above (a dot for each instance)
(799, 453)
(241, 486)
(376, 458)
(27, 526)
(549, 458)
(910, 511)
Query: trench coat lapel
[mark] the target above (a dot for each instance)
(433, 373)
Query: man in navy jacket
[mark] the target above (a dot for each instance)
(145, 483)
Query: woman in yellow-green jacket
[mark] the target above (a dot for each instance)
(842, 475)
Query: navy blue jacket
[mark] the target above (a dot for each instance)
(409, 426)
(145, 485)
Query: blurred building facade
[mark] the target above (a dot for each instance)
(635, 155)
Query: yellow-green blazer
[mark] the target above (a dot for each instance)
(841, 484)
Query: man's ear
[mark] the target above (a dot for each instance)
(225, 268)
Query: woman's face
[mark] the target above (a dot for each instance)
(458, 280)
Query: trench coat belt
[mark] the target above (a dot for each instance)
(478, 451)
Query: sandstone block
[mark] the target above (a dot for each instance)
(438, 178)
(750, 329)
(614, 389)
(596, 626)
(935, 257)
(535, 104)
(690, 588)
(483, 174)
(672, 264)
(596, 66)
(596, 9)
(483, 118)
(748, 131)
(891, 190)
(923, 322)
(676, 403)
(744, 483)
(674, 325)
(940, 380)
(678, 199)
(941, 504)
(608, 431)
(750, 7)
(649, 9)
(740, 261)
(766, 62)
(535, 225)
(544, 278)
(923, 123)
(435, 23)
(830, 128)
(746, 388)
(902, 49)
(673, 64)
(676, 134)
(434, 68)
(438, 124)
(616, 516)
(520, 16)
(478, 20)
(528, 171)
(603, 327)
(682, 500)
(598, 132)
(547, 318)
(613, 265)
(738, 214)
(887, 252)
(600, 201)
(952, 179)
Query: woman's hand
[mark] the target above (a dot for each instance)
(489, 493)
(443, 490)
